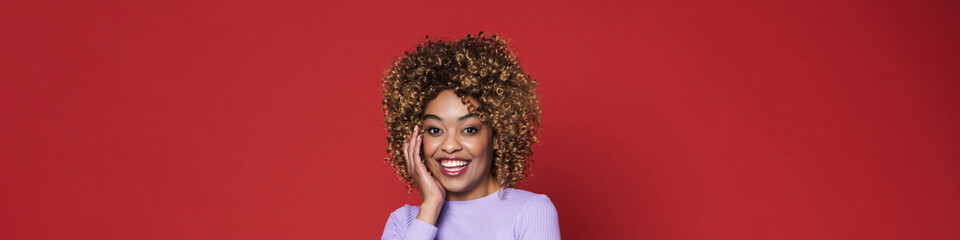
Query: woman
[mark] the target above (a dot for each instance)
(462, 118)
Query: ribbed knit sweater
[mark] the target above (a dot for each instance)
(518, 214)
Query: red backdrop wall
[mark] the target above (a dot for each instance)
(679, 120)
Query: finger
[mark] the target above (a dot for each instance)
(422, 168)
(413, 139)
(411, 160)
(406, 159)
(413, 136)
(415, 148)
(416, 151)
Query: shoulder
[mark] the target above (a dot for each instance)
(520, 196)
(399, 221)
(536, 205)
(538, 219)
(406, 210)
(403, 215)
(531, 205)
(529, 199)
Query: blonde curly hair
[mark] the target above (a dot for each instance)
(482, 68)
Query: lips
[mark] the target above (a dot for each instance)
(453, 166)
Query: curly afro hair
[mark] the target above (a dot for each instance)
(482, 68)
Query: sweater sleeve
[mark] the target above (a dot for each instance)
(538, 219)
(403, 224)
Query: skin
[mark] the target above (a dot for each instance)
(450, 131)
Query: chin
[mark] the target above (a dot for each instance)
(454, 185)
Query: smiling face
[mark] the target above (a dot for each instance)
(458, 147)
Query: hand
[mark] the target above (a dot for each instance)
(431, 192)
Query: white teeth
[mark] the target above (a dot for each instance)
(453, 163)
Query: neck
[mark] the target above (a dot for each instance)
(486, 187)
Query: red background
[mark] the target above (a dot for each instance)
(680, 120)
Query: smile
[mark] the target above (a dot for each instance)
(453, 166)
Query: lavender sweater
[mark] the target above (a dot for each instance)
(518, 214)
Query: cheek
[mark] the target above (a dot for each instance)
(479, 148)
(429, 147)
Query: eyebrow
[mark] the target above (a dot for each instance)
(458, 119)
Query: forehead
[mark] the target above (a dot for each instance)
(448, 104)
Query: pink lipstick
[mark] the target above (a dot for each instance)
(453, 166)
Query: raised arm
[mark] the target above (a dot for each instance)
(403, 224)
(431, 192)
(400, 226)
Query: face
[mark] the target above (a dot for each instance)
(457, 146)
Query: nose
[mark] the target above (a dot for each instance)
(451, 144)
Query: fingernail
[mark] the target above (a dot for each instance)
(418, 137)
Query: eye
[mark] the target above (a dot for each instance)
(433, 131)
(471, 130)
